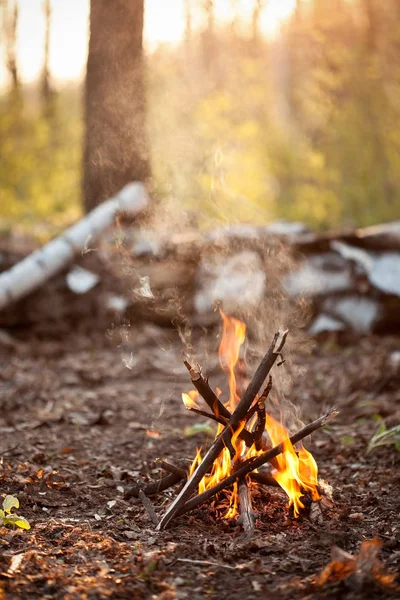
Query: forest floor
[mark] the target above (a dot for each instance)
(79, 424)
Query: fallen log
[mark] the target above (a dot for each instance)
(37, 268)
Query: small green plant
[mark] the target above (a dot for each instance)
(9, 503)
(384, 437)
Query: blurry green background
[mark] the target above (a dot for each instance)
(302, 124)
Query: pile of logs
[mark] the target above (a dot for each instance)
(350, 279)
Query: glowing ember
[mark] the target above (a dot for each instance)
(296, 470)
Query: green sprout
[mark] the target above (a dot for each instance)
(384, 437)
(10, 502)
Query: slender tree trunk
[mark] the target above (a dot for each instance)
(45, 78)
(10, 36)
(116, 150)
(188, 22)
(259, 6)
(208, 35)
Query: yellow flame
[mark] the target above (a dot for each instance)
(297, 470)
(233, 503)
(189, 400)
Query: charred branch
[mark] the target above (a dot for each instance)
(264, 479)
(252, 411)
(260, 425)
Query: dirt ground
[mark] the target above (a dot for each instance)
(82, 418)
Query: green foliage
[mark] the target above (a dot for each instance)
(40, 157)
(198, 428)
(385, 437)
(11, 519)
(304, 128)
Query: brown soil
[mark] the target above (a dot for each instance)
(77, 427)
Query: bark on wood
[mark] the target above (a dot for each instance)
(238, 416)
(203, 387)
(147, 504)
(29, 274)
(247, 517)
(153, 488)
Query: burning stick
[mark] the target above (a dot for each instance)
(256, 462)
(263, 398)
(220, 412)
(235, 421)
(260, 426)
(202, 386)
(247, 516)
(264, 479)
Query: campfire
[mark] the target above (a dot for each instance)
(247, 438)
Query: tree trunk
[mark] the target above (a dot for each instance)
(116, 150)
(45, 79)
(209, 32)
(188, 22)
(259, 6)
(10, 35)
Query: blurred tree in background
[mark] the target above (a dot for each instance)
(304, 125)
(116, 150)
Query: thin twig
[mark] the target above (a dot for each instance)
(172, 468)
(207, 563)
(147, 504)
(211, 416)
(263, 398)
(221, 413)
(202, 386)
(264, 479)
(153, 488)
(254, 463)
(260, 425)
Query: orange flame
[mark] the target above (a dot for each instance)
(233, 336)
(297, 470)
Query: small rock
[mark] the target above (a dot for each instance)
(357, 516)
(81, 280)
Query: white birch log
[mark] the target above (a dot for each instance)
(29, 274)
